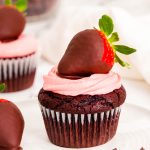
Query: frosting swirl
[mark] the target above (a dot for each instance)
(23, 46)
(96, 84)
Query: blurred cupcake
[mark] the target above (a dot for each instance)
(40, 7)
(81, 98)
(17, 51)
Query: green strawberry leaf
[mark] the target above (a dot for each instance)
(121, 62)
(2, 87)
(8, 2)
(106, 25)
(114, 37)
(124, 49)
(21, 5)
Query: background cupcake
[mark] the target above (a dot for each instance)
(17, 50)
(81, 98)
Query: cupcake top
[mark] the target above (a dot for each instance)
(82, 104)
(85, 68)
(11, 126)
(95, 84)
(13, 43)
(23, 46)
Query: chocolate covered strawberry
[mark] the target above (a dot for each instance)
(11, 126)
(12, 22)
(93, 51)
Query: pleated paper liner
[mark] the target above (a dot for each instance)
(18, 73)
(80, 130)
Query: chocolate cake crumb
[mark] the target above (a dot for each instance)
(83, 104)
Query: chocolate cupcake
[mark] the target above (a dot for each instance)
(17, 51)
(81, 98)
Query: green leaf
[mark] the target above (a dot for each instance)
(2, 87)
(124, 49)
(106, 25)
(121, 62)
(21, 5)
(114, 37)
(8, 2)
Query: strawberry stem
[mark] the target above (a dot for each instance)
(114, 37)
(121, 62)
(2, 87)
(106, 26)
(124, 49)
(8, 2)
(21, 5)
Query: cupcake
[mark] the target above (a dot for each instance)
(81, 98)
(17, 51)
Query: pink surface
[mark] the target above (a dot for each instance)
(93, 85)
(23, 46)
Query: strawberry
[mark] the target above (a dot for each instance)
(11, 126)
(3, 101)
(93, 51)
(12, 21)
(108, 54)
(106, 31)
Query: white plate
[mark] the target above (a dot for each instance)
(133, 131)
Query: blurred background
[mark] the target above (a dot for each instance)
(54, 23)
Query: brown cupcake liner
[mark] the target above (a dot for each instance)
(18, 73)
(80, 130)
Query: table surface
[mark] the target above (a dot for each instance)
(134, 127)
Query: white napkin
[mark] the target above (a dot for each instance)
(133, 32)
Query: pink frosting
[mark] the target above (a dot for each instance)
(96, 84)
(23, 46)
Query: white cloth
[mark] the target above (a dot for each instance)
(133, 31)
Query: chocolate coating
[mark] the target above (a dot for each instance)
(82, 104)
(83, 55)
(11, 126)
(12, 23)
